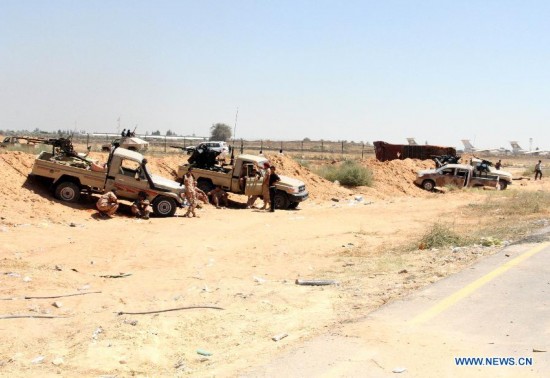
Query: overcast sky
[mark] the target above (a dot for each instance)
(439, 71)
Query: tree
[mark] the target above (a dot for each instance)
(156, 132)
(220, 131)
(170, 133)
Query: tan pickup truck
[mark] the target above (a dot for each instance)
(130, 143)
(290, 191)
(459, 175)
(126, 170)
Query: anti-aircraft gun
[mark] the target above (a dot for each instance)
(204, 157)
(441, 160)
(62, 148)
(482, 165)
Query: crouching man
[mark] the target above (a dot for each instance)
(107, 204)
(141, 208)
(219, 197)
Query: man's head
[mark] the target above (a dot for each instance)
(114, 190)
(272, 168)
(142, 195)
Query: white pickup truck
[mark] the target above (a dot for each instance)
(485, 167)
(126, 170)
(460, 175)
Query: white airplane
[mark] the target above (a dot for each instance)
(517, 150)
(469, 148)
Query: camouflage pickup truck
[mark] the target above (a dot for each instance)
(459, 175)
(126, 170)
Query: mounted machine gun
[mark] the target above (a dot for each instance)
(61, 147)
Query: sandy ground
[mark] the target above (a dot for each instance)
(230, 274)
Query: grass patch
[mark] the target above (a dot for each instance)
(530, 171)
(513, 204)
(349, 173)
(303, 162)
(452, 187)
(441, 235)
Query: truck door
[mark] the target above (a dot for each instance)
(451, 176)
(128, 178)
(253, 182)
(461, 177)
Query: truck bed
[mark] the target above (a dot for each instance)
(47, 166)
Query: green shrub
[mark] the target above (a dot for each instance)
(440, 235)
(349, 173)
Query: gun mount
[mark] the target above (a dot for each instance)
(61, 147)
(441, 160)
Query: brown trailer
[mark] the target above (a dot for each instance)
(386, 151)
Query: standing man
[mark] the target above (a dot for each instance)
(190, 194)
(498, 164)
(107, 204)
(273, 179)
(265, 186)
(538, 170)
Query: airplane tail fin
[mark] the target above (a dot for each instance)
(467, 144)
(515, 146)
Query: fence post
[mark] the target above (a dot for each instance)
(342, 148)
(362, 150)
(261, 146)
(242, 146)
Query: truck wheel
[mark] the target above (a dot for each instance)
(205, 185)
(503, 185)
(428, 185)
(281, 200)
(67, 191)
(164, 206)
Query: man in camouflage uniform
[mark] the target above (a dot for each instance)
(219, 197)
(141, 207)
(190, 194)
(107, 204)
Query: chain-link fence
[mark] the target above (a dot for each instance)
(173, 145)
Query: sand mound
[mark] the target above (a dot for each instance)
(396, 177)
(33, 199)
(319, 188)
(16, 192)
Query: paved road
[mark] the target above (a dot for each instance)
(499, 308)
